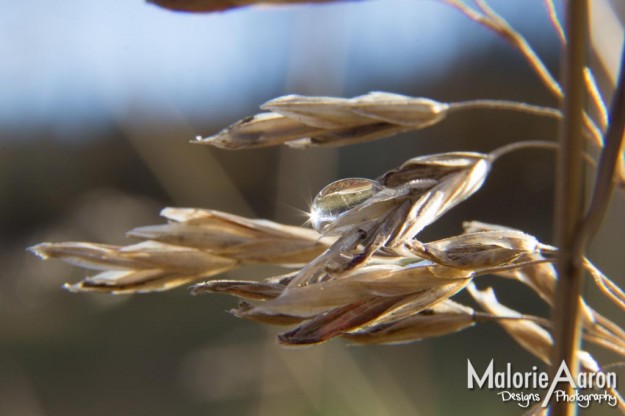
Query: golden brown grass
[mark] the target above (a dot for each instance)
(363, 274)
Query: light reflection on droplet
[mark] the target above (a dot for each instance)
(338, 198)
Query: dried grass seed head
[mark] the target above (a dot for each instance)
(363, 283)
(144, 267)
(197, 244)
(331, 112)
(443, 318)
(328, 121)
(228, 235)
(478, 250)
(371, 215)
(355, 316)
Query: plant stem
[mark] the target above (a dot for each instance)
(493, 21)
(569, 202)
(505, 105)
(555, 22)
(589, 78)
(608, 164)
(529, 144)
(596, 99)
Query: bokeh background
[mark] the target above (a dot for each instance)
(98, 101)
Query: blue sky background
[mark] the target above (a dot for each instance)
(68, 63)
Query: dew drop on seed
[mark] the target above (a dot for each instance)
(338, 198)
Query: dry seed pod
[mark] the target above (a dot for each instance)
(391, 216)
(478, 226)
(467, 176)
(145, 255)
(332, 113)
(261, 130)
(248, 311)
(335, 258)
(231, 224)
(364, 283)
(199, 244)
(143, 267)
(433, 167)
(269, 288)
(242, 289)
(247, 240)
(338, 321)
(400, 109)
(354, 316)
(443, 318)
(348, 136)
(322, 112)
(433, 183)
(541, 278)
(406, 279)
(328, 121)
(372, 210)
(126, 282)
(479, 249)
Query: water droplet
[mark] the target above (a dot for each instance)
(338, 198)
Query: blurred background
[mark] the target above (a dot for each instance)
(98, 101)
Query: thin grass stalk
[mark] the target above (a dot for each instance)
(605, 343)
(608, 164)
(569, 202)
(589, 79)
(595, 95)
(492, 20)
(497, 24)
(555, 21)
(505, 105)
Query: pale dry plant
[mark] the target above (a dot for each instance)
(362, 273)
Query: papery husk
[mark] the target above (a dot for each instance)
(351, 317)
(443, 318)
(126, 282)
(140, 268)
(144, 255)
(240, 288)
(246, 310)
(361, 284)
(478, 250)
(303, 122)
(228, 235)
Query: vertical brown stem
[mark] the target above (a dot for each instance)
(569, 201)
